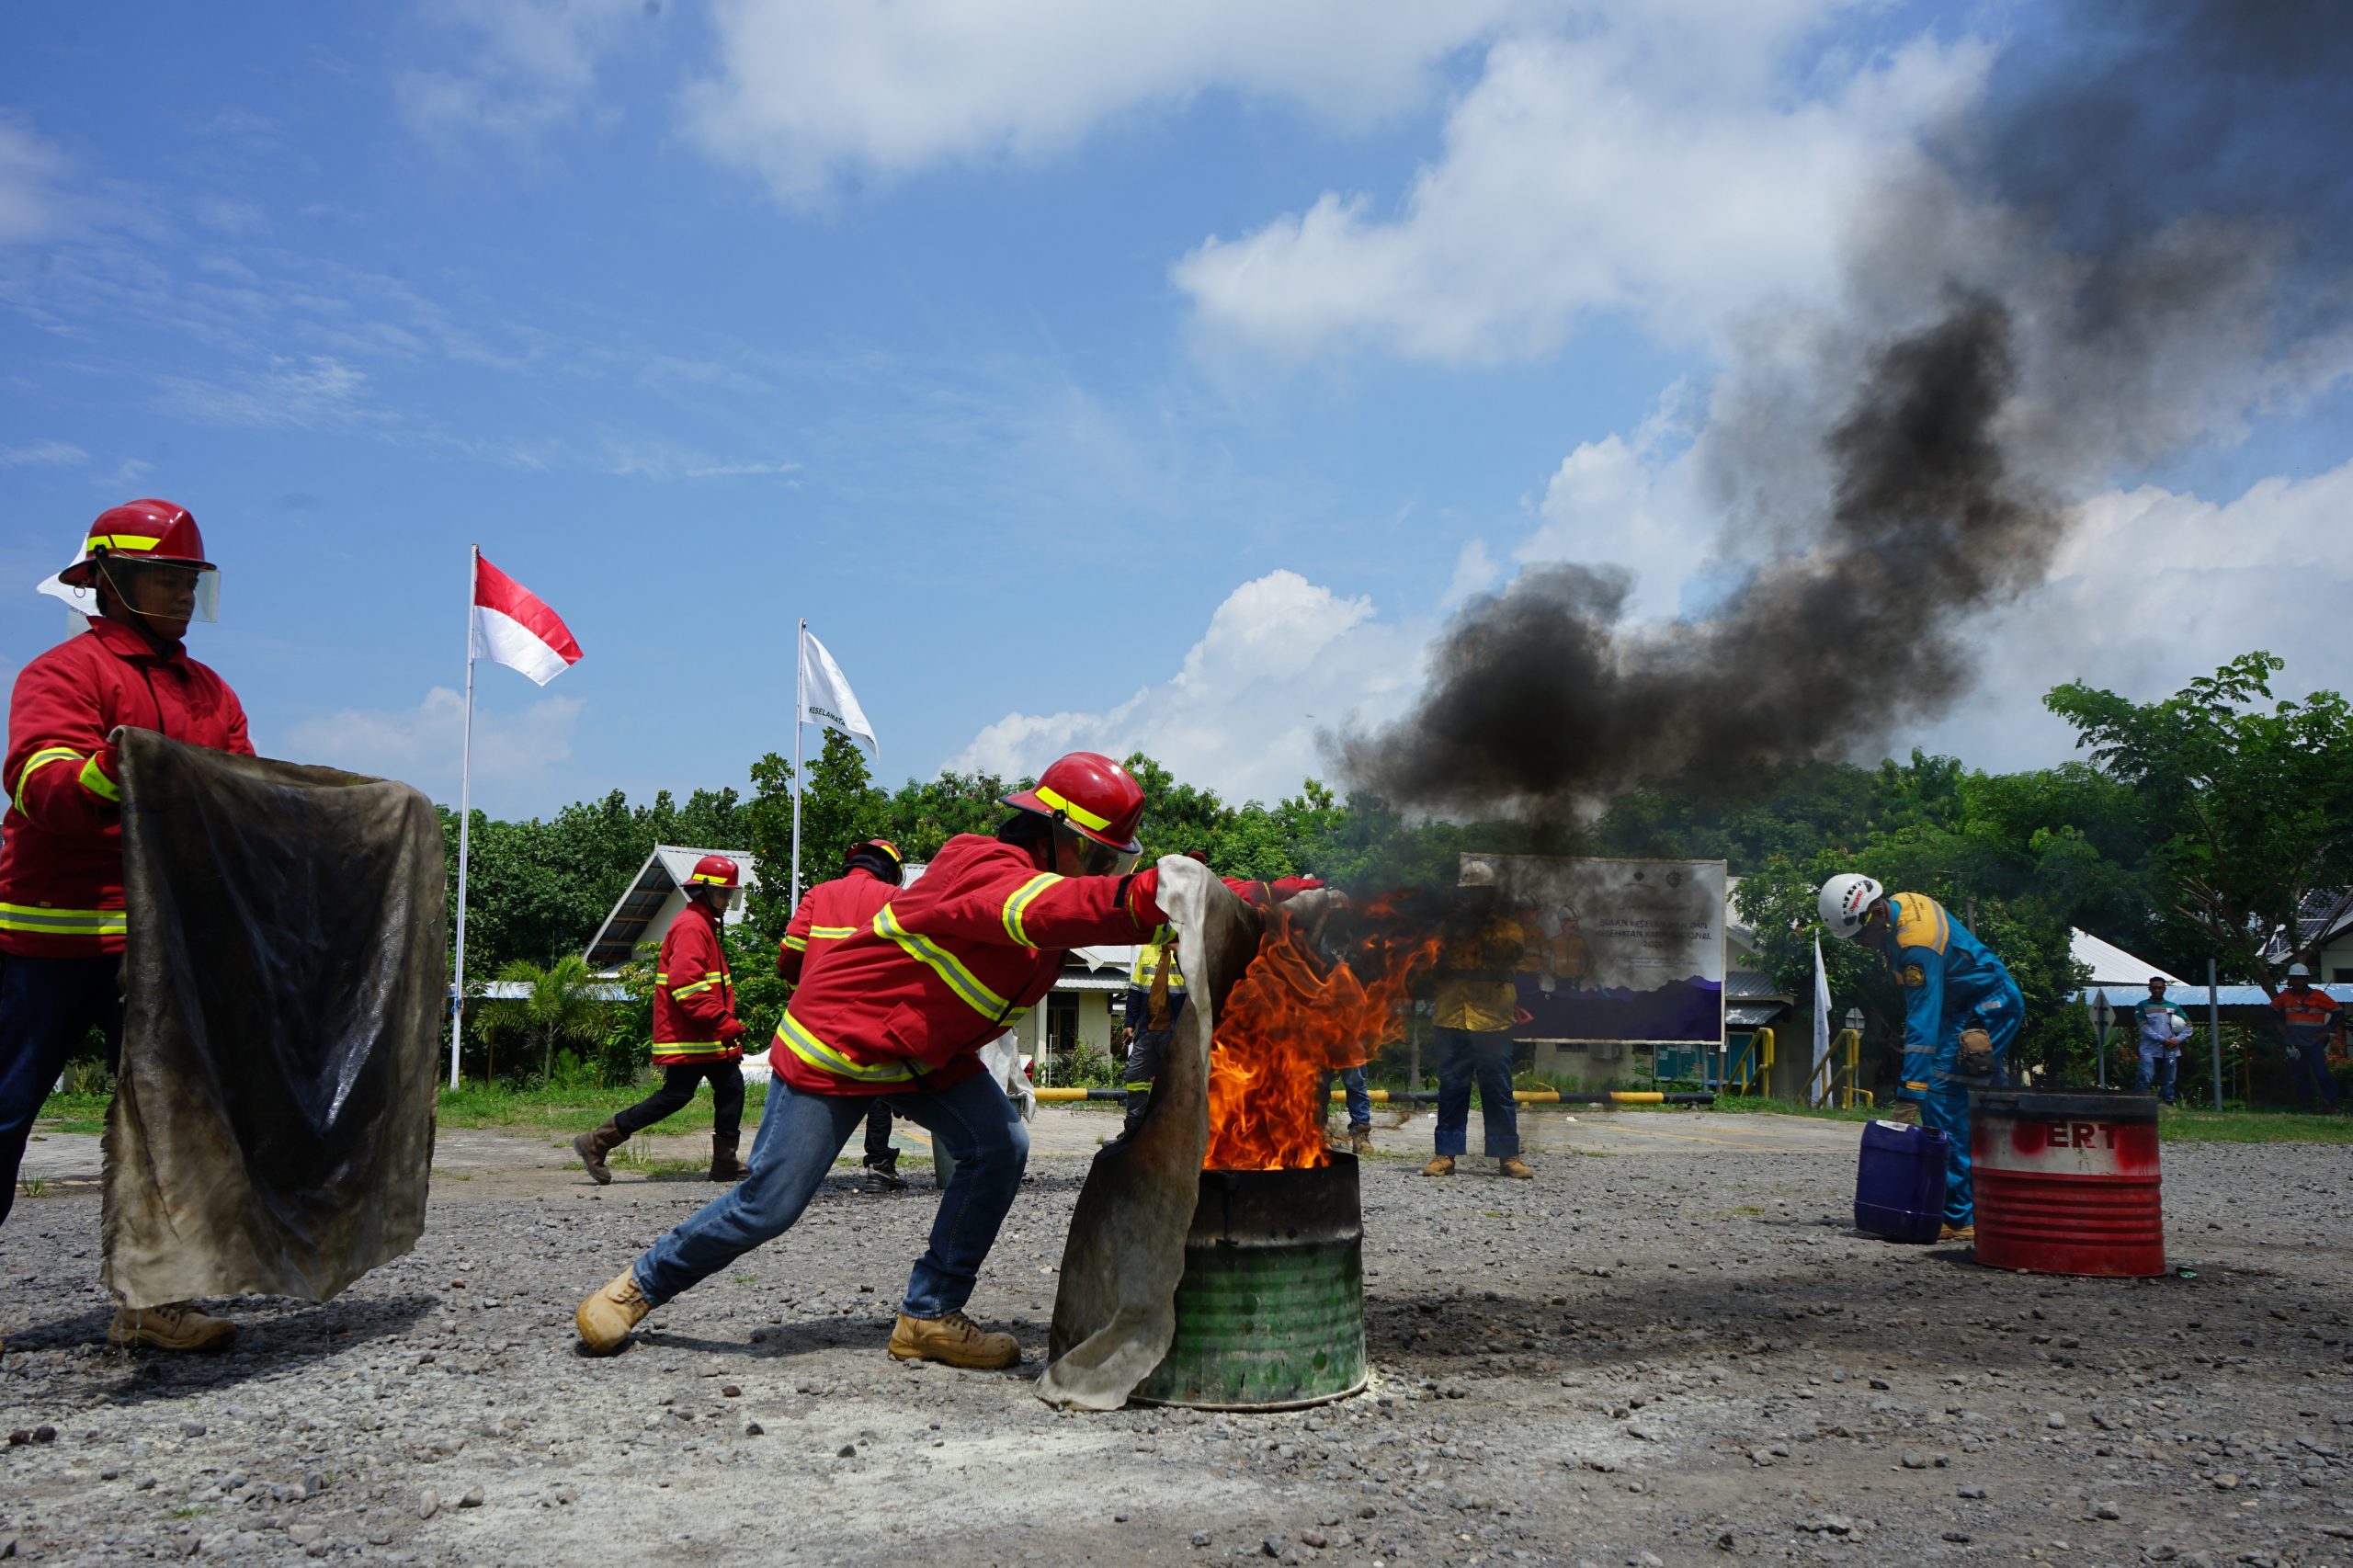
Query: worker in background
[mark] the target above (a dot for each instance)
(62, 912)
(871, 872)
(696, 1033)
(902, 1011)
(2309, 1022)
(2163, 1027)
(1961, 1011)
(1155, 1000)
(1476, 1000)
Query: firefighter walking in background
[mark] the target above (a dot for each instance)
(1961, 1012)
(1155, 1000)
(62, 920)
(696, 1033)
(1476, 1002)
(901, 1011)
(871, 872)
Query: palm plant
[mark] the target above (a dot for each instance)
(560, 1006)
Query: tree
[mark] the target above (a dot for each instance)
(559, 1009)
(839, 806)
(2249, 810)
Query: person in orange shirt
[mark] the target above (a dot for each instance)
(2309, 1023)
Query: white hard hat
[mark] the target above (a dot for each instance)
(2298, 972)
(1846, 898)
(1476, 874)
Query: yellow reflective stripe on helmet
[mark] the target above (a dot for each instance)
(708, 877)
(1016, 906)
(38, 760)
(121, 541)
(1076, 814)
(945, 964)
(95, 779)
(63, 922)
(826, 1058)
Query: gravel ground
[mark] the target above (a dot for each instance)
(1664, 1350)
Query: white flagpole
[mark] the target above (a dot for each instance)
(465, 822)
(800, 708)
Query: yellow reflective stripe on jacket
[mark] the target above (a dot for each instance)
(691, 1048)
(39, 760)
(682, 992)
(1018, 905)
(833, 932)
(826, 1058)
(1076, 814)
(798, 944)
(63, 922)
(95, 779)
(945, 964)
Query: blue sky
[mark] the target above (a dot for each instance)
(1083, 378)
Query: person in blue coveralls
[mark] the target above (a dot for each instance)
(1961, 1011)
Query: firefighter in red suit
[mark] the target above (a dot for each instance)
(62, 921)
(696, 1033)
(900, 1011)
(871, 872)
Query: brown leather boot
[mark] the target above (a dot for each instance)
(592, 1148)
(724, 1165)
(605, 1319)
(954, 1339)
(1516, 1168)
(176, 1327)
(1441, 1164)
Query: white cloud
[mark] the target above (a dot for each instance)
(43, 454)
(1282, 660)
(810, 93)
(33, 203)
(307, 394)
(1675, 163)
(530, 66)
(421, 746)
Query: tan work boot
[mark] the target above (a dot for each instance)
(955, 1339)
(1957, 1233)
(605, 1319)
(1515, 1167)
(1441, 1165)
(724, 1165)
(177, 1327)
(592, 1148)
(1359, 1141)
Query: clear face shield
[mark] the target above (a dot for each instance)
(1096, 858)
(165, 590)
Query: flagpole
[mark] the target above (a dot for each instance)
(465, 821)
(800, 710)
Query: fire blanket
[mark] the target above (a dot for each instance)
(284, 979)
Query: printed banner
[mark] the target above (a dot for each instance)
(1616, 950)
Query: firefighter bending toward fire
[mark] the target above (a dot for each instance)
(696, 1032)
(899, 1013)
(1476, 1001)
(1961, 1011)
(62, 920)
(871, 872)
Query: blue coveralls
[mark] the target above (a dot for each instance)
(1951, 982)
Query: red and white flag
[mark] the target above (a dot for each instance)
(516, 627)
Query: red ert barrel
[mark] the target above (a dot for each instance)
(2066, 1183)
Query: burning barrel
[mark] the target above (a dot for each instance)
(1271, 1310)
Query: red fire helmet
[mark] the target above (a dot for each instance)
(1093, 794)
(715, 871)
(891, 864)
(140, 530)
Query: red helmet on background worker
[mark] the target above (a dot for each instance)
(1088, 796)
(151, 553)
(716, 873)
(879, 856)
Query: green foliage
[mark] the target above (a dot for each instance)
(1084, 1067)
(559, 1012)
(2249, 812)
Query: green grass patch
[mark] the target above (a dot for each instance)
(2183, 1125)
(1760, 1103)
(576, 1110)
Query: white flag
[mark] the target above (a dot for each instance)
(826, 696)
(1820, 1022)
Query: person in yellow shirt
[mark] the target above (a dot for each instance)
(1476, 1002)
(1155, 968)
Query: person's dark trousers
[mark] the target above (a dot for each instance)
(879, 1155)
(678, 1087)
(1145, 1054)
(47, 1007)
(2308, 1069)
(1466, 1056)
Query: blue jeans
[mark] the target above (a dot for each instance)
(47, 1006)
(2308, 1069)
(1465, 1055)
(1360, 1100)
(2159, 1066)
(801, 1132)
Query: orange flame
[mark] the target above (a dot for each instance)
(1292, 1017)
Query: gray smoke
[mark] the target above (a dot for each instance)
(2135, 242)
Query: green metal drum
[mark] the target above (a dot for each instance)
(1270, 1312)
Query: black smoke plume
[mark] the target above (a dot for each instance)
(2106, 262)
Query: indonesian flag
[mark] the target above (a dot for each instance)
(514, 626)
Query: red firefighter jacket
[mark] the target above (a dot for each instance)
(828, 912)
(694, 998)
(952, 961)
(60, 866)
